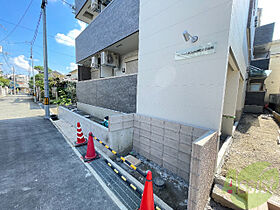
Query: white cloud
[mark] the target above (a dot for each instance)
(22, 62)
(72, 67)
(69, 38)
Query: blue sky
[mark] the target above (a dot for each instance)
(62, 28)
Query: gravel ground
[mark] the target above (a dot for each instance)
(254, 140)
(175, 190)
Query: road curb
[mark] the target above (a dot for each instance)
(98, 178)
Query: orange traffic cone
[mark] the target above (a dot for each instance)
(80, 136)
(147, 202)
(91, 153)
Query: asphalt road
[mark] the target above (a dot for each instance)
(38, 169)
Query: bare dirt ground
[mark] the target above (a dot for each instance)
(254, 140)
(212, 205)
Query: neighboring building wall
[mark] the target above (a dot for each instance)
(117, 21)
(203, 164)
(189, 91)
(116, 93)
(252, 24)
(74, 75)
(273, 81)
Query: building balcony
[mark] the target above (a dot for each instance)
(261, 63)
(114, 93)
(88, 10)
(263, 39)
(116, 22)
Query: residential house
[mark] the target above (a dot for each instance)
(72, 75)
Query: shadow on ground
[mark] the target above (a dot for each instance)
(39, 170)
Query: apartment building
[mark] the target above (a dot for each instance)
(180, 66)
(259, 69)
(21, 82)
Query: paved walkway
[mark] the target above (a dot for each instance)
(38, 169)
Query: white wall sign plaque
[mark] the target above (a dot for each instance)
(205, 49)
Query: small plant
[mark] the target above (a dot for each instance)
(62, 99)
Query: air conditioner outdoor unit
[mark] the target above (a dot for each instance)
(94, 62)
(94, 6)
(105, 2)
(109, 59)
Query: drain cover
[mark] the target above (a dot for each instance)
(159, 182)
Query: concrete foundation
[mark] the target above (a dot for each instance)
(253, 109)
(118, 139)
(96, 111)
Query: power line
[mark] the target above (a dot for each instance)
(18, 22)
(70, 5)
(6, 61)
(29, 29)
(36, 30)
(38, 46)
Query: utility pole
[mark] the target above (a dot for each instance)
(46, 73)
(14, 78)
(1, 72)
(32, 66)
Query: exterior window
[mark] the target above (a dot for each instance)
(255, 87)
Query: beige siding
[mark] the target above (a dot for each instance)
(273, 81)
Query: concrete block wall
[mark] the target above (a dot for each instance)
(120, 122)
(203, 164)
(4, 91)
(188, 151)
(118, 139)
(167, 143)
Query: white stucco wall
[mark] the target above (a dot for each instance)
(238, 34)
(192, 90)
